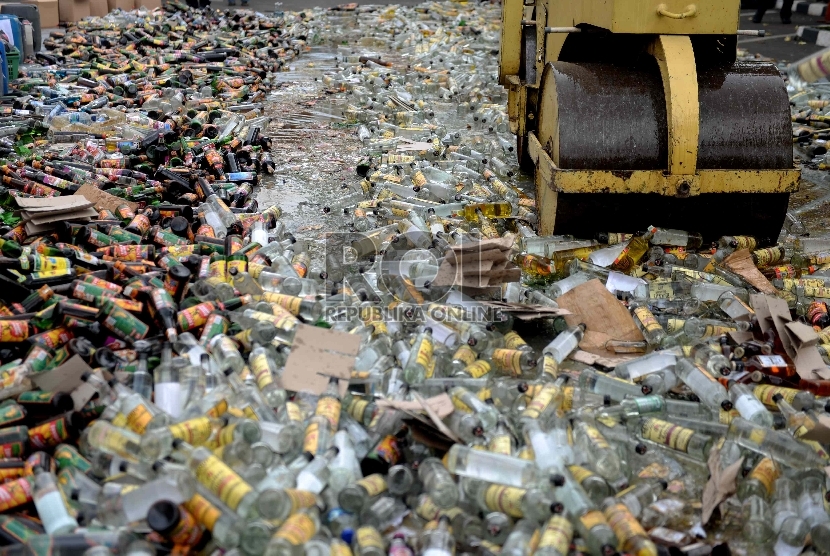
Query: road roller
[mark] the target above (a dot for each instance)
(632, 113)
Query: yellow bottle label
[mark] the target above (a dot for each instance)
(509, 360)
(549, 366)
(661, 288)
(501, 444)
(505, 499)
(757, 435)
(513, 341)
(765, 393)
(222, 481)
(193, 431)
(675, 325)
(339, 548)
(289, 302)
(261, 370)
(297, 529)
(478, 369)
(120, 420)
(557, 535)
(592, 519)
(138, 419)
(427, 509)
(312, 438)
(292, 411)
(766, 472)
(300, 499)
(567, 398)
(206, 514)
(668, 434)
(465, 354)
(373, 484)
(647, 319)
(625, 526)
(540, 402)
(329, 407)
(218, 410)
(424, 355)
(725, 417)
(526, 453)
(369, 537)
(596, 437)
(580, 473)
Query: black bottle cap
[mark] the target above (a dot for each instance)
(123, 466)
(523, 387)
(641, 448)
(163, 517)
(86, 376)
(606, 400)
(609, 550)
(646, 389)
(177, 442)
(75, 494)
(663, 483)
(777, 397)
(726, 405)
(557, 480)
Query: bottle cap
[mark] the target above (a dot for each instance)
(726, 405)
(641, 448)
(557, 508)
(557, 480)
(163, 517)
(347, 535)
(663, 483)
(777, 398)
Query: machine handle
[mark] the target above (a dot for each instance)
(691, 11)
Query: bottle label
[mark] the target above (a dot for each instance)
(218, 410)
(465, 354)
(373, 484)
(339, 548)
(167, 396)
(300, 499)
(508, 360)
(312, 436)
(567, 398)
(772, 361)
(668, 434)
(329, 407)
(505, 499)
(513, 341)
(580, 473)
(290, 302)
(14, 330)
(49, 434)
(540, 402)
(193, 431)
(261, 370)
(675, 325)
(478, 369)
(195, 316)
(203, 511)
(67, 456)
(549, 366)
(766, 473)
(297, 529)
(369, 537)
(625, 526)
(226, 435)
(387, 450)
(725, 417)
(139, 418)
(596, 437)
(501, 445)
(557, 535)
(459, 404)
(357, 408)
(16, 493)
(592, 519)
(647, 319)
(11, 414)
(17, 530)
(424, 355)
(292, 410)
(222, 481)
(765, 393)
(427, 509)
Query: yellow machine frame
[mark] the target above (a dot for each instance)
(671, 21)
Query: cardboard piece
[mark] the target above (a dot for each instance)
(593, 359)
(122, 4)
(98, 8)
(821, 432)
(433, 416)
(52, 204)
(149, 4)
(604, 317)
(721, 484)
(102, 199)
(740, 262)
(63, 378)
(48, 10)
(440, 404)
(799, 340)
(478, 264)
(525, 312)
(73, 10)
(41, 214)
(317, 354)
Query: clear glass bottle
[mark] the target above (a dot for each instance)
(565, 343)
(704, 385)
(368, 542)
(760, 481)
(781, 447)
(50, 504)
(487, 466)
(603, 459)
(791, 529)
(420, 358)
(748, 405)
(630, 534)
(438, 540)
(555, 539)
(354, 497)
(464, 400)
(292, 535)
(438, 483)
(757, 518)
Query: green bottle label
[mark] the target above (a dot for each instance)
(67, 457)
(36, 397)
(11, 413)
(17, 530)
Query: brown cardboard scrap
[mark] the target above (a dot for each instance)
(758, 302)
(63, 378)
(740, 262)
(317, 354)
(440, 404)
(502, 244)
(434, 417)
(721, 484)
(103, 200)
(741, 336)
(466, 257)
(594, 359)
(821, 432)
(53, 204)
(604, 316)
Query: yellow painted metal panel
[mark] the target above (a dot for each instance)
(511, 38)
